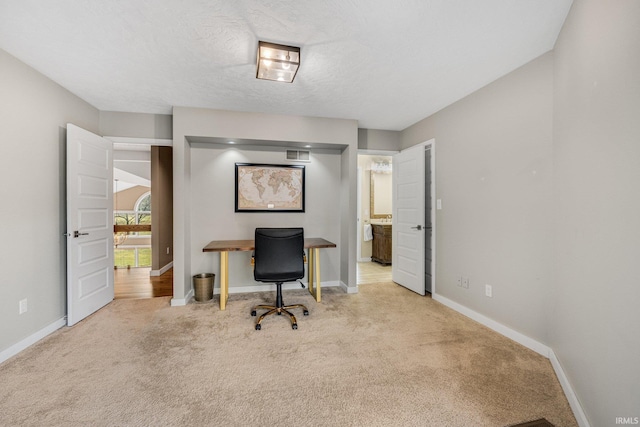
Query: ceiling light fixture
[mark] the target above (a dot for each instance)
(381, 167)
(277, 62)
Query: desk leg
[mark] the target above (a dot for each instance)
(224, 279)
(314, 273)
(311, 271)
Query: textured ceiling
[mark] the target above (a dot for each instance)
(387, 64)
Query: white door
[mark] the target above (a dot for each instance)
(407, 267)
(89, 223)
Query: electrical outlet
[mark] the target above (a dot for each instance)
(460, 281)
(167, 250)
(22, 306)
(488, 291)
(465, 282)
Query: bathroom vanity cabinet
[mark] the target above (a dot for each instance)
(381, 245)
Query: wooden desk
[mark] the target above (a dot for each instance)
(314, 244)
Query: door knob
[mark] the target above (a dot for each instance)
(417, 227)
(78, 234)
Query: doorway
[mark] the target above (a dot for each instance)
(375, 217)
(140, 221)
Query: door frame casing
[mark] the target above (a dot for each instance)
(432, 143)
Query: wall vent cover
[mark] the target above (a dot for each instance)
(298, 155)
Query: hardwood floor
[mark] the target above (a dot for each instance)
(372, 272)
(136, 283)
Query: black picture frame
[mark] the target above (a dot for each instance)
(246, 199)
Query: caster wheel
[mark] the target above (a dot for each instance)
(294, 326)
(279, 313)
(306, 312)
(258, 327)
(253, 312)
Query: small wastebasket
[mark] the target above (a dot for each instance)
(203, 286)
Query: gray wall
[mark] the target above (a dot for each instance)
(595, 314)
(162, 207)
(375, 139)
(213, 203)
(560, 246)
(493, 175)
(34, 112)
(136, 125)
(268, 129)
(348, 211)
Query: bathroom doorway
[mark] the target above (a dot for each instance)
(375, 218)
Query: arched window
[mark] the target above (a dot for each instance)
(143, 210)
(144, 202)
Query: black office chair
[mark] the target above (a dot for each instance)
(278, 258)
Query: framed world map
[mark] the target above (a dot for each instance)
(269, 188)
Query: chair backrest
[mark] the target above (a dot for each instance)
(279, 254)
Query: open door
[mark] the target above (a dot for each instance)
(89, 223)
(408, 233)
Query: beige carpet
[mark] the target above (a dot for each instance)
(383, 357)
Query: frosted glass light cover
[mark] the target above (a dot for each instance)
(277, 62)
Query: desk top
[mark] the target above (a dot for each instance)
(249, 245)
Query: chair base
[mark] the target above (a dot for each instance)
(278, 309)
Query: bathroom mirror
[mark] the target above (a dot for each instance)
(380, 195)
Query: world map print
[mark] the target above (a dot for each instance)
(263, 187)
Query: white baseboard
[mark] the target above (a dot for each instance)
(531, 344)
(526, 341)
(272, 287)
(175, 302)
(32, 339)
(156, 273)
(254, 288)
(349, 289)
(578, 412)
